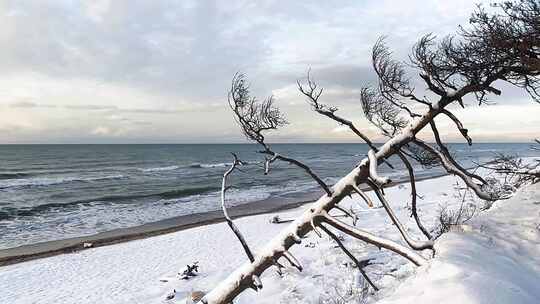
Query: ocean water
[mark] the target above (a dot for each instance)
(50, 192)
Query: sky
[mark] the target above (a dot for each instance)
(130, 71)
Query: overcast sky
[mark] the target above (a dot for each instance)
(158, 71)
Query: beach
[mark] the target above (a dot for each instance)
(70, 245)
(145, 270)
(50, 248)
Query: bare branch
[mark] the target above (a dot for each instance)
(393, 82)
(381, 113)
(501, 44)
(448, 156)
(412, 181)
(514, 170)
(421, 155)
(230, 222)
(348, 213)
(351, 256)
(255, 118)
(417, 245)
(303, 166)
(366, 198)
(459, 125)
(372, 239)
(292, 260)
(424, 58)
(313, 93)
(450, 168)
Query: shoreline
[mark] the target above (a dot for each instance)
(45, 249)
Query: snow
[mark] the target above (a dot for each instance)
(495, 259)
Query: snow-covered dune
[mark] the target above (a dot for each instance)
(496, 259)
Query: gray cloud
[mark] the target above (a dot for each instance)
(83, 107)
(23, 104)
(164, 63)
(192, 48)
(90, 107)
(27, 104)
(184, 47)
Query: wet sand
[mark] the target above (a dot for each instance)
(70, 245)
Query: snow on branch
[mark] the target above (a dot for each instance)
(381, 181)
(367, 237)
(230, 222)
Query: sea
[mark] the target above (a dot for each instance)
(51, 192)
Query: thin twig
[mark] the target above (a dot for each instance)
(359, 265)
(413, 195)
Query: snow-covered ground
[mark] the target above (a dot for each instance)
(495, 260)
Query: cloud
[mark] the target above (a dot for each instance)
(23, 104)
(160, 45)
(90, 107)
(193, 47)
(340, 129)
(29, 104)
(101, 131)
(97, 10)
(108, 131)
(115, 117)
(163, 67)
(11, 129)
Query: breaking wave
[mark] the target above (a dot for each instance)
(159, 169)
(11, 213)
(49, 181)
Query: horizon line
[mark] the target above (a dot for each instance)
(248, 143)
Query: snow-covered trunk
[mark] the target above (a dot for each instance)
(242, 278)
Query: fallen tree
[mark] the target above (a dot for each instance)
(498, 47)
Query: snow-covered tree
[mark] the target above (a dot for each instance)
(501, 45)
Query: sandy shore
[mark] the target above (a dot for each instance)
(69, 245)
(50, 248)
